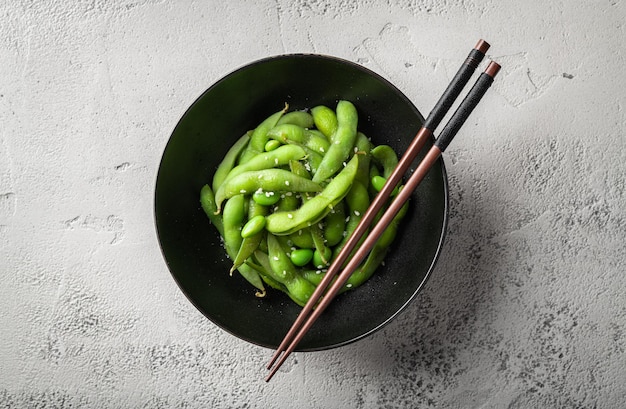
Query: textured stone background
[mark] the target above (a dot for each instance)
(526, 309)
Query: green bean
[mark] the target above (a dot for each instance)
(342, 142)
(266, 180)
(300, 118)
(316, 208)
(207, 201)
(325, 120)
(271, 145)
(301, 257)
(229, 161)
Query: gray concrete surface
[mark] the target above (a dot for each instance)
(526, 309)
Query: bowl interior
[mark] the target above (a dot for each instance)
(191, 245)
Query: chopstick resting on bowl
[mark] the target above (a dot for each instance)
(320, 299)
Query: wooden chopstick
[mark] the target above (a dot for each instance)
(306, 318)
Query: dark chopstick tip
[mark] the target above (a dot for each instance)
(482, 46)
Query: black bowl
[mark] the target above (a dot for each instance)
(191, 245)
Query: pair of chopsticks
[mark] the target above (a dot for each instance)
(312, 310)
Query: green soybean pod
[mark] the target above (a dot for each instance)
(386, 157)
(266, 180)
(300, 118)
(262, 264)
(378, 182)
(229, 161)
(248, 246)
(207, 201)
(342, 142)
(302, 238)
(287, 133)
(313, 276)
(288, 202)
(325, 120)
(378, 252)
(285, 272)
(320, 243)
(357, 202)
(253, 226)
(259, 135)
(267, 160)
(363, 146)
(265, 198)
(335, 225)
(316, 208)
(233, 217)
(321, 259)
(252, 233)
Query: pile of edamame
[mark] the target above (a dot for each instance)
(288, 194)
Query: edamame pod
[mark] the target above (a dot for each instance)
(207, 201)
(342, 142)
(268, 160)
(301, 118)
(316, 208)
(229, 161)
(259, 136)
(274, 180)
(325, 120)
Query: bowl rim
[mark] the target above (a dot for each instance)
(444, 175)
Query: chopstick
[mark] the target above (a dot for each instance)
(312, 310)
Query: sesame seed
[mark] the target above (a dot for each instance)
(357, 213)
(290, 215)
(322, 149)
(276, 161)
(286, 183)
(275, 258)
(242, 191)
(348, 285)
